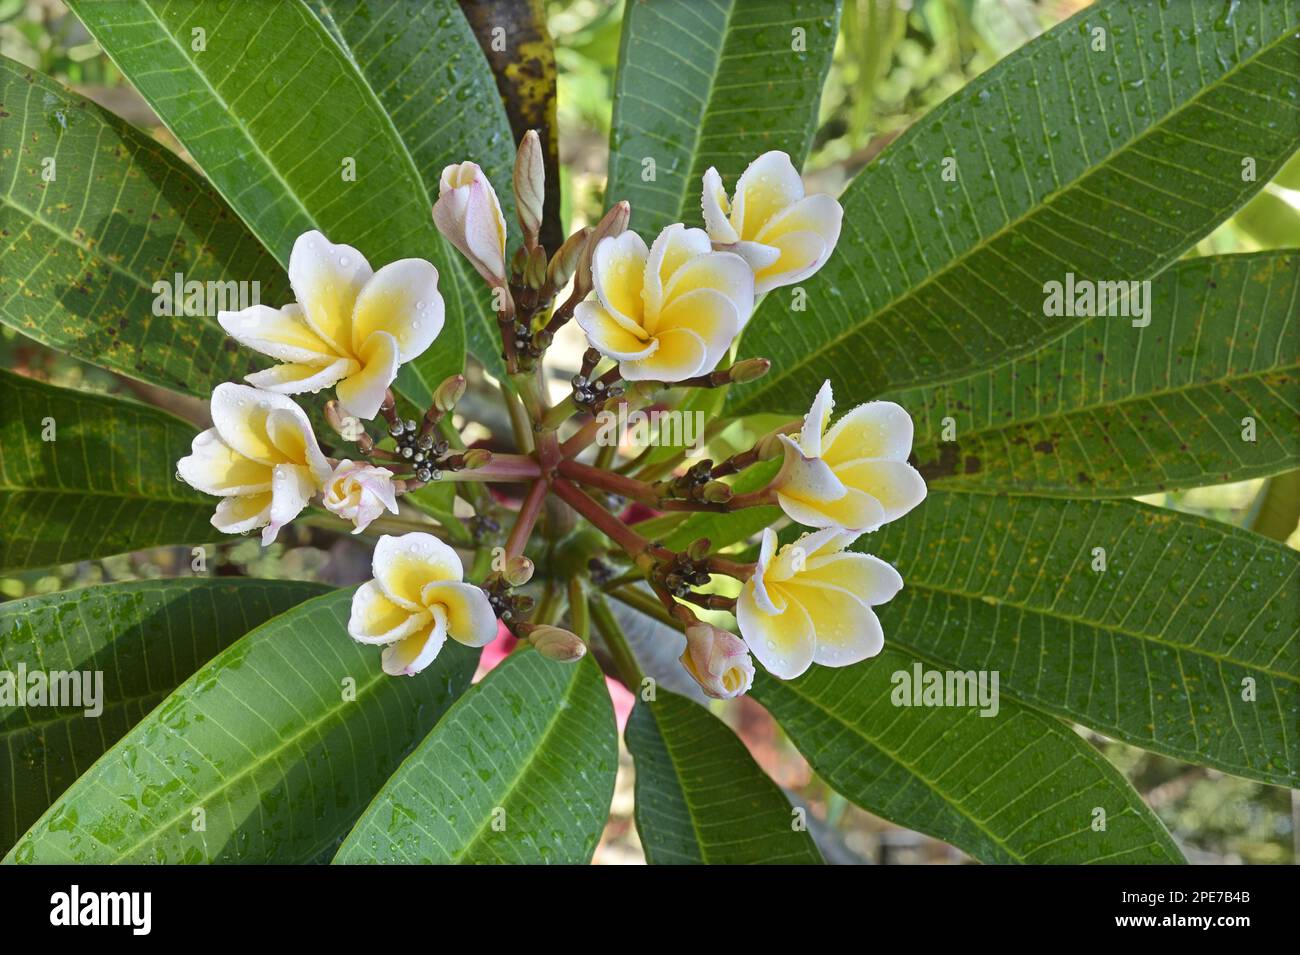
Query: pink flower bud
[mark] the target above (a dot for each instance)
(359, 493)
(530, 185)
(718, 661)
(468, 215)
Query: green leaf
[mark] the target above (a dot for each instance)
(713, 83)
(1015, 787)
(1186, 644)
(275, 113)
(520, 770)
(280, 741)
(1108, 164)
(143, 637)
(87, 475)
(423, 62)
(700, 797)
(1111, 410)
(83, 250)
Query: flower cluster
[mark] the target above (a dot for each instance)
(655, 315)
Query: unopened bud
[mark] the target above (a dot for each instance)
(699, 548)
(563, 262)
(751, 369)
(518, 571)
(770, 447)
(476, 458)
(718, 660)
(334, 416)
(449, 393)
(535, 270)
(519, 261)
(715, 492)
(613, 224)
(530, 186)
(556, 643)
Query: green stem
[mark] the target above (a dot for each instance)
(646, 605)
(625, 661)
(579, 612)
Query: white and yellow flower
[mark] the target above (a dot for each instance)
(718, 661)
(468, 215)
(811, 603)
(261, 458)
(351, 327)
(783, 234)
(416, 601)
(854, 476)
(669, 312)
(359, 492)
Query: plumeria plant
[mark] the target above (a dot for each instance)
(616, 455)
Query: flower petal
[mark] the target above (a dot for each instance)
(282, 333)
(757, 255)
(295, 379)
(768, 186)
(610, 336)
(794, 557)
(680, 354)
(377, 620)
(799, 255)
(409, 656)
(898, 486)
(214, 467)
(877, 429)
(326, 280)
(673, 247)
(618, 274)
(816, 420)
(291, 489)
(856, 511)
(848, 631)
(289, 432)
(240, 414)
(401, 299)
(470, 617)
(716, 208)
(405, 565)
(784, 643)
(870, 579)
(724, 272)
(709, 314)
(361, 394)
(239, 515)
(766, 553)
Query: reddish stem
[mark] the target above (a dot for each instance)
(527, 519)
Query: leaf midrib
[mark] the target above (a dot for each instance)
(681, 788)
(912, 291)
(269, 756)
(560, 709)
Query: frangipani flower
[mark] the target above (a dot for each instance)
(350, 327)
(669, 312)
(718, 661)
(468, 215)
(783, 234)
(416, 601)
(811, 603)
(854, 476)
(359, 493)
(261, 459)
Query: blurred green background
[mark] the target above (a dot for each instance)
(895, 59)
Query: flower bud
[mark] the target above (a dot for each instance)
(359, 493)
(563, 263)
(518, 571)
(718, 661)
(468, 215)
(613, 224)
(770, 446)
(715, 492)
(535, 270)
(556, 643)
(449, 393)
(530, 186)
(476, 458)
(699, 548)
(751, 369)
